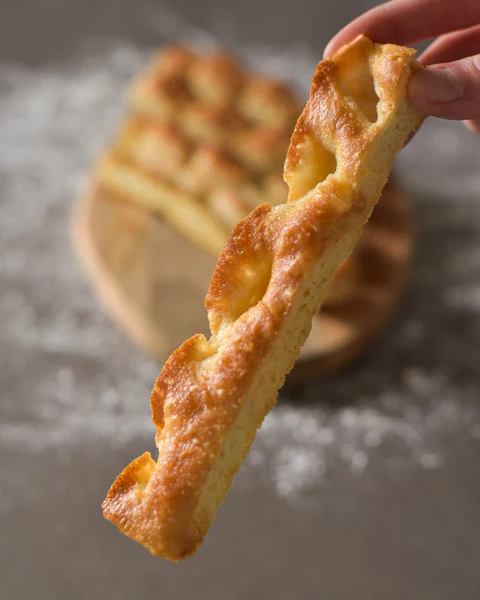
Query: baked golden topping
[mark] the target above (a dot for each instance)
(212, 395)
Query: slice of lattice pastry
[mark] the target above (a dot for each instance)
(212, 395)
(204, 145)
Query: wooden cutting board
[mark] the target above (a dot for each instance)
(153, 281)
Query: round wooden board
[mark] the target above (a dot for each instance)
(153, 280)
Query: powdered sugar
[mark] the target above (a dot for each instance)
(73, 379)
(409, 427)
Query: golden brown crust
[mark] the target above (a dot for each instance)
(211, 396)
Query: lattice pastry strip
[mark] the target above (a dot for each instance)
(212, 395)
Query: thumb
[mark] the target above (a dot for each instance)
(449, 90)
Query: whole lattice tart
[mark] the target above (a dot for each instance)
(204, 143)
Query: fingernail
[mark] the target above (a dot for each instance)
(435, 86)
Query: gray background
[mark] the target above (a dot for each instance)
(363, 486)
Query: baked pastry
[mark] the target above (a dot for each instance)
(204, 144)
(212, 395)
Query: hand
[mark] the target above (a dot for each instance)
(450, 87)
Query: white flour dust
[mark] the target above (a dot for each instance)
(408, 427)
(71, 378)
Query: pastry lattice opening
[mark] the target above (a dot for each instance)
(356, 81)
(316, 163)
(252, 285)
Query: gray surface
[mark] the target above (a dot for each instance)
(365, 486)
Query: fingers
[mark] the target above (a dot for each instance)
(453, 46)
(473, 125)
(408, 21)
(448, 90)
